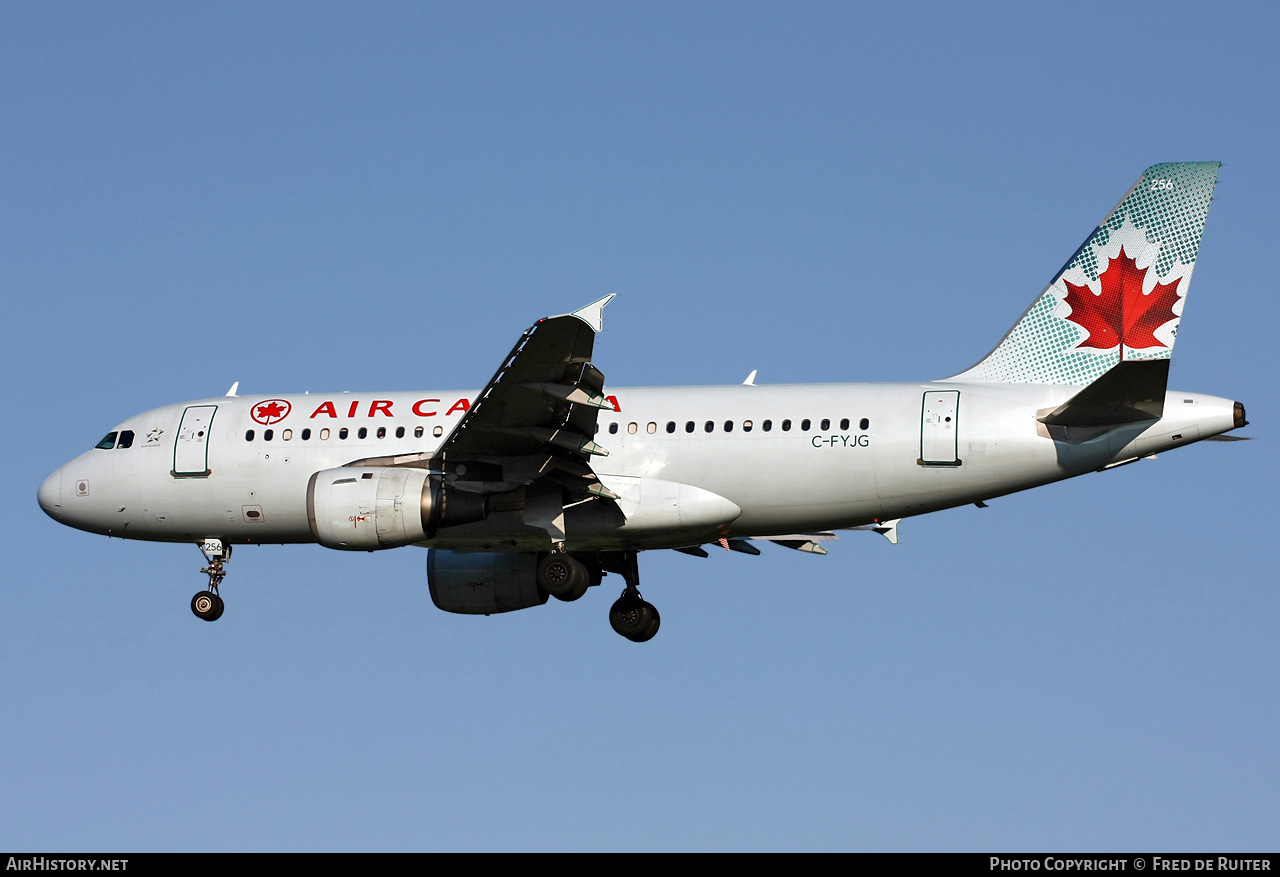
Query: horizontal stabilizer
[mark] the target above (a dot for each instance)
(1130, 392)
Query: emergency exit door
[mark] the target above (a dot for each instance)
(191, 447)
(939, 428)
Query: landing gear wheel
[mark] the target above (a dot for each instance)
(575, 593)
(207, 606)
(654, 623)
(563, 576)
(631, 616)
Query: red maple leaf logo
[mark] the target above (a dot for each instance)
(1121, 314)
(271, 411)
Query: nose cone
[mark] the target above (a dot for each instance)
(50, 495)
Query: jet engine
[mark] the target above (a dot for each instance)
(483, 582)
(364, 509)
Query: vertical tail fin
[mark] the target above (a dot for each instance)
(1120, 296)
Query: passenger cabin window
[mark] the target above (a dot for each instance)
(613, 429)
(844, 424)
(632, 427)
(709, 426)
(864, 423)
(363, 433)
(825, 425)
(688, 427)
(767, 425)
(804, 424)
(728, 426)
(786, 426)
(399, 432)
(268, 435)
(324, 434)
(287, 434)
(126, 439)
(417, 432)
(438, 431)
(306, 434)
(342, 433)
(382, 432)
(108, 442)
(746, 426)
(651, 428)
(248, 435)
(671, 426)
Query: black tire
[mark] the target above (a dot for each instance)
(654, 624)
(562, 576)
(631, 617)
(206, 605)
(576, 593)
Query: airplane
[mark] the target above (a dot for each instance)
(545, 480)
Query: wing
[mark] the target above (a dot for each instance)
(535, 420)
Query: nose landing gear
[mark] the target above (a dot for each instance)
(208, 605)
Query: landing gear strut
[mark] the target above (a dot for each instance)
(207, 605)
(631, 615)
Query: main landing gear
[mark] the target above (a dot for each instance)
(631, 615)
(208, 605)
(567, 577)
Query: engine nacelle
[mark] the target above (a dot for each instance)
(367, 508)
(483, 582)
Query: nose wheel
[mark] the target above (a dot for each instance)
(207, 605)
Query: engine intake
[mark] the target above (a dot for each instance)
(365, 509)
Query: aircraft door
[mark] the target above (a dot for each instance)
(191, 447)
(939, 428)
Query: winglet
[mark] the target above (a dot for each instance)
(751, 379)
(887, 529)
(233, 389)
(593, 314)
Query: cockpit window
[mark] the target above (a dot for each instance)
(108, 442)
(126, 439)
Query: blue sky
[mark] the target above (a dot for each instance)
(327, 197)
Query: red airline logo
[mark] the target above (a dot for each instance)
(1120, 312)
(271, 411)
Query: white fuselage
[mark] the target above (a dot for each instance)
(789, 458)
